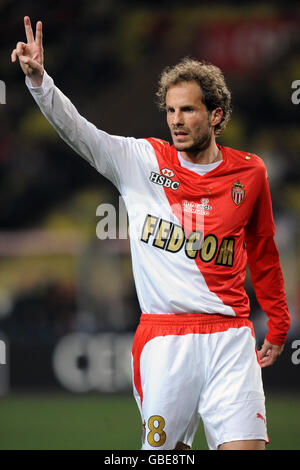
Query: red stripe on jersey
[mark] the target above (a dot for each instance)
(194, 188)
(250, 224)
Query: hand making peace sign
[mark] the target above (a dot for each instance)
(31, 55)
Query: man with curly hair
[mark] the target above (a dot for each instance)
(198, 213)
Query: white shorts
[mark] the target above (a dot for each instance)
(192, 366)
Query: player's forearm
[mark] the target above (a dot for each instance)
(108, 154)
(268, 283)
(74, 129)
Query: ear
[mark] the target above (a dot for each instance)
(216, 116)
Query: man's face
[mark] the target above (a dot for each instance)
(188, 118)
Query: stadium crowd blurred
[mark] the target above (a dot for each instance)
(107, 56)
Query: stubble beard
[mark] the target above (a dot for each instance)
(199, 145)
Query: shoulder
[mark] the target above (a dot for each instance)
(244, 159)
(159, 145)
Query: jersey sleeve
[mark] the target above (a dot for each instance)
(264, 265)
(110, 155)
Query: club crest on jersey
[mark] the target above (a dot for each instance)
(238, 192)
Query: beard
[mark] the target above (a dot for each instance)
(199, 144)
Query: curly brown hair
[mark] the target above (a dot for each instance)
(211, 81)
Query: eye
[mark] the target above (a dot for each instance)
(170, 110)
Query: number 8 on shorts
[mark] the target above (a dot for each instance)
(156, 436)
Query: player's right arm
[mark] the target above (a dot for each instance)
(110, 155)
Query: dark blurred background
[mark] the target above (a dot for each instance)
(68, 307)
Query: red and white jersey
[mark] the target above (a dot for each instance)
(190, 235)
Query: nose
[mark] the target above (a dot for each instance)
(178, 119)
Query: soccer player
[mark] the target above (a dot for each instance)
(198, 212)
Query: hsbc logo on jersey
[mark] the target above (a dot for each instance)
(167, 172)
(164, 179)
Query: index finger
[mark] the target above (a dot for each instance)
(28, 30)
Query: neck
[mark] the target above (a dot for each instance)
(211, 154)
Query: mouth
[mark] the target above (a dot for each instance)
(180, 134)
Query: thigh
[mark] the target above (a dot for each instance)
(232, 405)
(243, 445)
(169, 391)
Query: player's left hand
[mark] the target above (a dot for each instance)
(269, 353)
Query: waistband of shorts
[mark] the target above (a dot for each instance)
(193, 319)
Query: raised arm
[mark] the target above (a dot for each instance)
(112, 156)
(31, 54)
